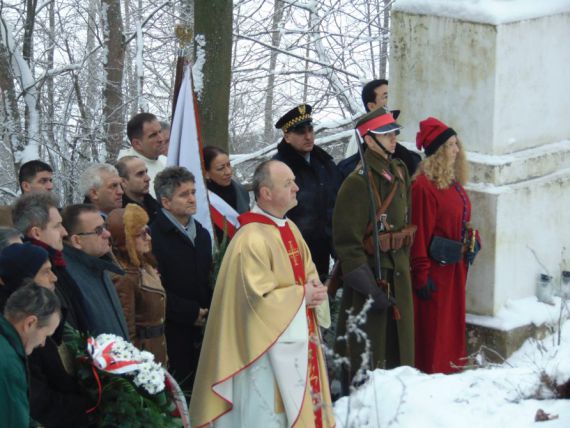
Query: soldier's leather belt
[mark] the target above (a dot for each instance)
(391, 241)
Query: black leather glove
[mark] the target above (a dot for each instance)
(470, 255)
(427, 290)
(362, 280)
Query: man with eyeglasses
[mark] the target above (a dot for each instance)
(318, 179)
(86, 253)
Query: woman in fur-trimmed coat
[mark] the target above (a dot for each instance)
(140, 290)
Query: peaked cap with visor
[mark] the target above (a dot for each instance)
(377, 122)
(295, 118)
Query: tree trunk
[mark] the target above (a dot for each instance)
(385, 41)
(27, 45)
(269, 131)
(32, 111)
(11, 122)
(307, 53)
(50, 107)
(20, 71)
(130, 79)
(112, 93)
(213, 19)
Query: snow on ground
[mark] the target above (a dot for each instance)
(519, 312)
(493, 397)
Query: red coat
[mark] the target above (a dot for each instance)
(439, 321)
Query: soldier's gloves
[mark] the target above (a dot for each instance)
(362, 280)
(427, 290)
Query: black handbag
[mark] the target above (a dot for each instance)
(445, 251)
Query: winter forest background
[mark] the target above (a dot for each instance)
(73, 72)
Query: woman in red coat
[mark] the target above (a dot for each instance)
(443, 247)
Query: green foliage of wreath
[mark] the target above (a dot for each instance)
(122, 404)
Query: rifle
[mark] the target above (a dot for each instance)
(333, 282)
(382, 283)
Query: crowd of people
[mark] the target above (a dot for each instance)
(131, 260)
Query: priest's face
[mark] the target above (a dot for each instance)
(283, 192)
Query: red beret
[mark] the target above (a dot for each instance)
(433, 133)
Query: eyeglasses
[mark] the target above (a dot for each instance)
(98, 231)
(145, 234)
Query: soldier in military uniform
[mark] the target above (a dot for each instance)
(318, 179)
(389, 327)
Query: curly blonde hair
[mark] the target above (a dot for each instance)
(440, 169)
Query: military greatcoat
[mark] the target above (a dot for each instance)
(392, 342)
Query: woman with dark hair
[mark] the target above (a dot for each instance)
(444, 246)
(219, 180)
(141, 293)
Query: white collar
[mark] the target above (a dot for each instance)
(278, 221)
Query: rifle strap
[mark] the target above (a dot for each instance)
(383, 206)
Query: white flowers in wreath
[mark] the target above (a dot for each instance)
(115, 355)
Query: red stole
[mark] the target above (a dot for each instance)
(299, 271)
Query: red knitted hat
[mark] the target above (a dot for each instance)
(433, 133)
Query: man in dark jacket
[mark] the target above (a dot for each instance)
(318, 179)
(86, 254)
(38, 219)
(135, 182)
(32, 314)
(55, 399)
(183, 249)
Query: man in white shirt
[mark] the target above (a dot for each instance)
(145, 135)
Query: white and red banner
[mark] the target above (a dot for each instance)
(186, 150)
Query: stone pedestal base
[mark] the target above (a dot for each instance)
(498, 345)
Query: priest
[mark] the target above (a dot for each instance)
(262, 363)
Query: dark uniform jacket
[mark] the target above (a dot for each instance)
(184, 269)
(392, 342)
(318, 183)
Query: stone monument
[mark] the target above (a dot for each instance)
(497, 71)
